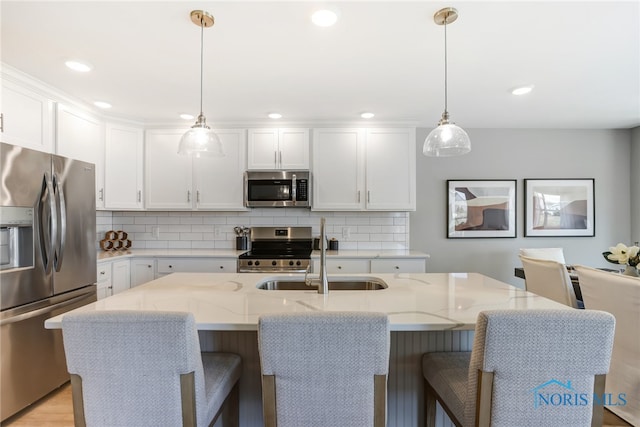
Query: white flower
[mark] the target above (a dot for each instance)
(623, 254)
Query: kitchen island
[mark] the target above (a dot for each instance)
(427, 312)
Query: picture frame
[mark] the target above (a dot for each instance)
(559, 207)
(481, 208)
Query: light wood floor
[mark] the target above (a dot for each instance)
(56, 410)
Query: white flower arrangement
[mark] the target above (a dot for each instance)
(623, 254)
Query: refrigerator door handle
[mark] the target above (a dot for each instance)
(62, 217)
(48, 223)
(43, 310)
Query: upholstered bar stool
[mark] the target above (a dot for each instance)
(520, 360)
(135, 368)
(324, 369)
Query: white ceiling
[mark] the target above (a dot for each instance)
(384, 57)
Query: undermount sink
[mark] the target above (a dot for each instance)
(335, 284)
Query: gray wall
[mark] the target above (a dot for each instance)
(518, 154)
(635, 185)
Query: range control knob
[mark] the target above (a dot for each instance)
(250, 263)
(273, 263)
(290, 262)
(257, 262)
(298, 263)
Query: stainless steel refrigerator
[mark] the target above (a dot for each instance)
(47, 266)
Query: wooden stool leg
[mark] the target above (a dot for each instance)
(430, 406)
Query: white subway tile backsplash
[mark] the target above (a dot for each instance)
(213, 230)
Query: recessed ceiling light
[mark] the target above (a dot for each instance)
(367, 115)
(522, 90)
(186, 116)
(102, 104)
(81, 67)
(324, 18)
(275, 115)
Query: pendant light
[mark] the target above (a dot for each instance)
(200, 139)
(447, 139)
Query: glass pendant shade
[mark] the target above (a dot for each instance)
(201, 141)
(446, 140)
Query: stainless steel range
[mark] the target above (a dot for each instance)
(277, 249)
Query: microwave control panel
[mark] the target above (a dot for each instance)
(302, 190)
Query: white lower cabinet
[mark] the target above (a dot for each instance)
(104, 280)
(367, 265)
(142, 271)
(398, 266)
(113, 277)
(196, 265)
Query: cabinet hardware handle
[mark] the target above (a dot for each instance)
(148, 266)
(101, 198)
(102, 272)
(170, 266)
(339, 267)
(188, 196)
(139, 196)
(221, 267)
(397, 268)
(110, 287)
(358, 196)
(198, 196)
(275, 158)
(280, 153)
(368, 196)
(1, 122)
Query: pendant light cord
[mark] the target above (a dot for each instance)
(445, 62)
(202, 58)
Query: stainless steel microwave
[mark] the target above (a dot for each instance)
(277, 189)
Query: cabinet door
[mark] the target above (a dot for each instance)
(338, 169)
(343, 266)
(391, 169)
(219, 180)
(123, 167)
(142, 271)
(293, 149)
(27, 118)
(168, 180)
(104, 283)
(121, 276)
(81, 136)
(262, 149)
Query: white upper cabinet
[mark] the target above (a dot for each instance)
(80, 135)
(364, 169)
(286, 148)
(391, 169)
(218, 181)
(123, 167)
(27, 117)
(338, 169)
(174, 181)
(168, 179)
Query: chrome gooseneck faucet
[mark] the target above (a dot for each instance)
(323, 283)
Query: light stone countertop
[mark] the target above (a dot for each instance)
(232, 253)
(414, 302)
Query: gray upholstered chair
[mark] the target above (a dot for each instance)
(549, 279)
(324, 369)
(619, 295)
(135, 368)
(520, 360)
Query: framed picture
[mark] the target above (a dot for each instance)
(480, 208)
(559, 207)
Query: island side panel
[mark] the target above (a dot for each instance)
(405, 385)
